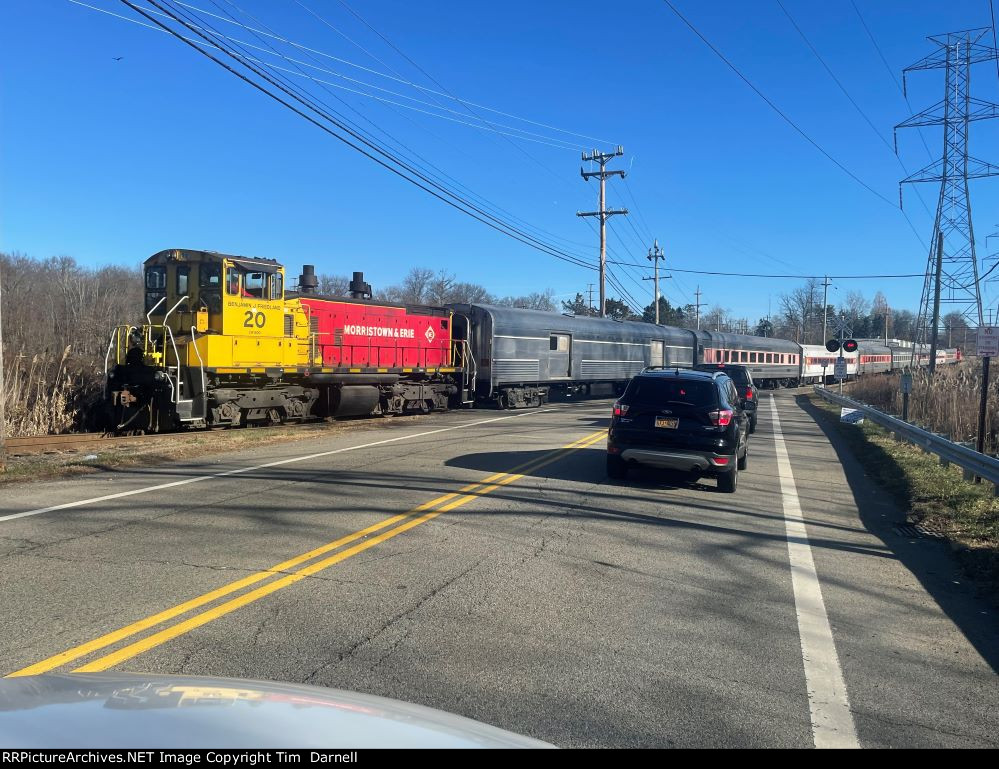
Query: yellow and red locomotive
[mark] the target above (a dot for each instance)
(226, 343)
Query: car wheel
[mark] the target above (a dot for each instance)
(744, 459)
(752, 425)
(727, 482)
(616, 468)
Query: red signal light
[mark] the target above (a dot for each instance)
(850, 345)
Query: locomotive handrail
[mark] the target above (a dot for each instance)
(149, 320)
(180, 301)
(201, 363)
(107, 355)
(969, 460)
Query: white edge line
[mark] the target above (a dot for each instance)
(277, 463)
(829, 707)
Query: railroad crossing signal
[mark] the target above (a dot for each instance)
(848, 345)
(842, 327)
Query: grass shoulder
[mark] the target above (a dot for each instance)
(176, 446)
(936, 497)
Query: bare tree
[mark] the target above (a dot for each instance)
(538, 300)
(468, 293)
(334, 285)
(715, 319)
(856, 307)
(798, 309)
(439, 288)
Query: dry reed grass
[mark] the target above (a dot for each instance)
(45, 393)
(945, 403)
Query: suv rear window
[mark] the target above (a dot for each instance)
(737, 374)
(655, 390)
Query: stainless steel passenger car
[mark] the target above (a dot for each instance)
(772, 362)
(873, 358)
(522, 355)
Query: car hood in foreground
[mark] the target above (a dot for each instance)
(139, 711)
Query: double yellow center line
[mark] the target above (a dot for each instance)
(364, 538)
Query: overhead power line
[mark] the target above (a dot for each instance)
(784, 115)
(499, 128)
(395, 76)
(415, 157)
(849, 97)
(352, 138)
(891, 73)
(768, 275)
(468, 107)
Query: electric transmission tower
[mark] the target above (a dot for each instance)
(952, 266)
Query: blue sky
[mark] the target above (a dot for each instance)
(111, 161)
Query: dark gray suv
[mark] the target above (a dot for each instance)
(680, 419)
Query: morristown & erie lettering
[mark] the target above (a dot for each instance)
(398, 333)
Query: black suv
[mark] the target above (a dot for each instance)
(748, 394)
(680, 419)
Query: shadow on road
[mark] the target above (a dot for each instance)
(931, 563)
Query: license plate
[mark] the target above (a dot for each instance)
(668, 422)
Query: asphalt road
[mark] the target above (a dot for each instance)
(482, 563)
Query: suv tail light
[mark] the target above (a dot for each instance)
(620, 409)
(721, 417)
(749, 393)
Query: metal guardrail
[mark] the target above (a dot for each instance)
(969, 460)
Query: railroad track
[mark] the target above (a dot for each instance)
(49, 444)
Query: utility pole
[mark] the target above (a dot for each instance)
(697, 308)
(825, 306)
(655, 254)
(935, 328)
(603, 158)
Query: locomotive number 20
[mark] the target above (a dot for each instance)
(257, 319)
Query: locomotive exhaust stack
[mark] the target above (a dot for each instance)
(358, 288)
(307, 281)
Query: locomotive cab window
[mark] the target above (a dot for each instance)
(254, 284)
(210, 285)
(182, 274)
(232, 282)
(155, 286)
(277, 286)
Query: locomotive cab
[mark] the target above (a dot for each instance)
(209, 318)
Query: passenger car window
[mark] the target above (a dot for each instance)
(559, 342)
